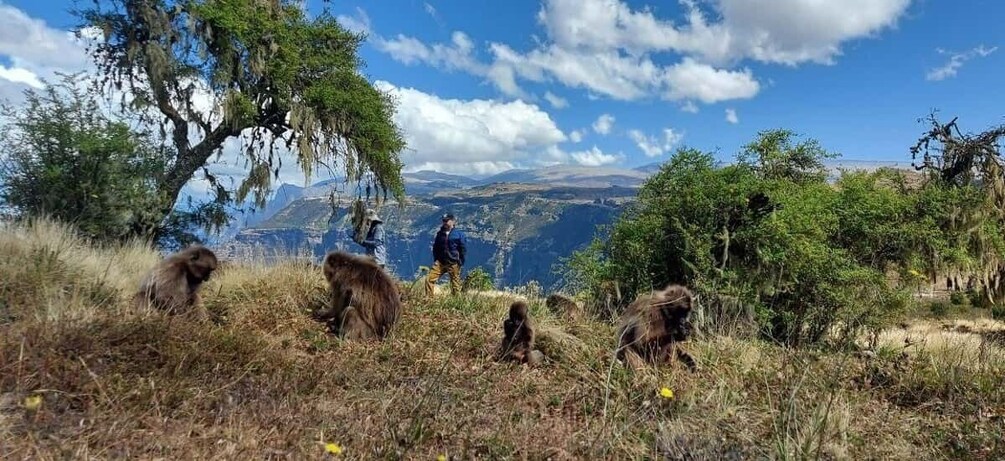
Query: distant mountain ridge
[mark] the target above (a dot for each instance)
(521, 222)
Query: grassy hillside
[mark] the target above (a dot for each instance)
(84, 376)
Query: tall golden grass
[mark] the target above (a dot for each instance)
(83, 375)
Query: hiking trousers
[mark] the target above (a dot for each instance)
(437, 271)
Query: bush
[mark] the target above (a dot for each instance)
(769, 233)
(958, 298)
(939, 309)
(63, 156)
(478, 280)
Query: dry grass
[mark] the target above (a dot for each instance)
(264, 381)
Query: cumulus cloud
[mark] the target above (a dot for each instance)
(603, 124)
(606, 47)
(731, 116)
(690, 79)
(576, 135)
(556, 101)
(956, 61)
(689, 107)
(653, 146)
(595, 157)
(474, 136)
(36, 52)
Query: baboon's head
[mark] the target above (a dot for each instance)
(518, 311)
(200, 262)
(675, 304)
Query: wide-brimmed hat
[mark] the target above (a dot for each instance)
(371, 215)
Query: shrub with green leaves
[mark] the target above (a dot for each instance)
(807, 257)
(478, 280)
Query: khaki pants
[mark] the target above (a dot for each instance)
(438, 270)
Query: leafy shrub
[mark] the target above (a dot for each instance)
(768, 233)
(939, 309)
(478, 280)
(958, 298)
(63, 156)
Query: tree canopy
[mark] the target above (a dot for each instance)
(210, 70)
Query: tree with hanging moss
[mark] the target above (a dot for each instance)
(207, 71)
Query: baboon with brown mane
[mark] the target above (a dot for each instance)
(563, 305)
(173, 284)
(653, 326)
(364, 300)
(518, 337)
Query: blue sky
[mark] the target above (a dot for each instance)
(485, 86)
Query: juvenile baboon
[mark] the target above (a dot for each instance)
(518, 337)
(653, 326)
(364, 300)
(173, 284)
(563, 306)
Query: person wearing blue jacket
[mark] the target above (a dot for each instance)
(449, 250)
(374, 241)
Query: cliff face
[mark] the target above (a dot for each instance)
(516, 232)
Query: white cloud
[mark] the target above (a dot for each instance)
(731, 116)
(606, 47)
(956, 61)
(360, 23)
(652, 146)
(795, 31)
(18, 75)
(689, 107)
(603, 124)
(430, 9)
(473, 135)
(457, 55)
(556, 101)
(692, 80)
(576, 136)
(778, 31)
(30, 40)
(595, 157)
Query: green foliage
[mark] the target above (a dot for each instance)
(478, 280)
(770, 235)
(281, 79)
(803, 255)
(62, 156)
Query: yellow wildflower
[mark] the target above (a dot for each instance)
(33, 402)
(441, 458)
(333, 448)
(666, 393)
(914, 273)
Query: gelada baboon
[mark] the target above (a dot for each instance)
(364, 300)
(518, 337)
(653, 325)
(173, 284)
(562, 305)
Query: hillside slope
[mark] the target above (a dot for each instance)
(516, 232)
(84, 376)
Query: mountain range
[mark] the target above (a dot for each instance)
(519, 223)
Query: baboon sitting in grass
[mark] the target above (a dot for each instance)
(563, 306)
(653, 327)
(173, 284)
(518, 337)
(364, 299)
